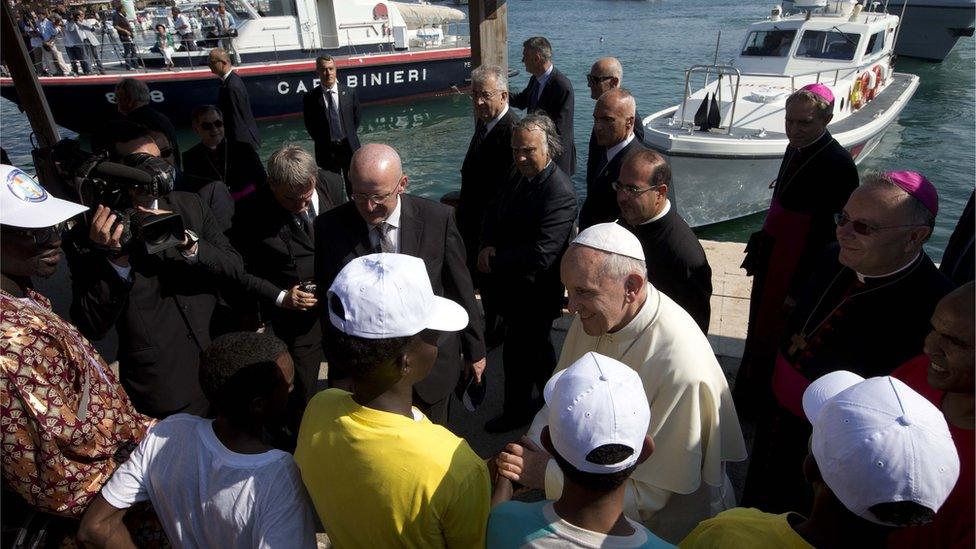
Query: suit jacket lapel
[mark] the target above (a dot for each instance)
(411, 227)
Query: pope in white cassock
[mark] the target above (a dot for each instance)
(693, 420)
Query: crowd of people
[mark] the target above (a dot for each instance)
(858, 371)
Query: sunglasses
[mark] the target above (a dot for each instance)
(40, 236)
(590, 79)
(207, 126)
(863, 228)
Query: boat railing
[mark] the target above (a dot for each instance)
(729, 70)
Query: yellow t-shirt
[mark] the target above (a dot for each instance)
(745, 528)
(384, 480)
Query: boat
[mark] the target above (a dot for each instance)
(387, 51)
(929, 28)
(724, 163)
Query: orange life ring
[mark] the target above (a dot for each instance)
(879, 72)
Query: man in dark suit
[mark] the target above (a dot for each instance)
(526, 231)
(613, 126)
(332, 119)
(550, 91)
(233, 101)
(216, 158)
(381, 218)
(273, 231)
(676, 262)
(161, 304)
(606, 74)
(132, 101)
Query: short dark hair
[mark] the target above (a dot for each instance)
(661, 174)
(603, 455)
(116, 132)
(201, 110)
(359, 356)
(540, 45)
(238, 367)
(902, 513)
(322, 59)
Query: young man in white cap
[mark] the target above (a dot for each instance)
(880, 458)
(693, 421)
(597, 433)
(64, 414)
(379, 472)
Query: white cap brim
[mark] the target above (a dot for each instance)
(53, 211)
(447, 316)
(825, 388)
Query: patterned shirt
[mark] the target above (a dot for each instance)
(65, 422)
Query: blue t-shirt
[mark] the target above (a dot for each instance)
(515, 524)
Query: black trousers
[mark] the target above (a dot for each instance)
(337, 158)
(529, 359)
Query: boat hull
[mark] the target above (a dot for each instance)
(716, 187)
(84, 103)
(931, 28)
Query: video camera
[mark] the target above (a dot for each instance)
(113, 185)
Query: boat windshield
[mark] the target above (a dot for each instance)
(769, 43)
(829, 44)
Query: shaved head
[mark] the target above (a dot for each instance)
(613, 117)
(606, 74)
(376, 160)
(951, 345)
(619, 100)
(377, 180)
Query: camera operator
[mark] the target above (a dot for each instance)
(160, 303)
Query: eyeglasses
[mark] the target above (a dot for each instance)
(487, 95)
(863, 228)
(40, 236)
(373, 198)
(166, 153)
(590, 79)
(630, 189)
(207, 126)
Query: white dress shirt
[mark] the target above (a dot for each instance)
(394, 233)
(495, 120)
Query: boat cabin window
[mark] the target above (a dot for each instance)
(769, 43)
(818, 44)
(275, 8)
(875, 43)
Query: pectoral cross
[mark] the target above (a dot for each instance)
(798, 344)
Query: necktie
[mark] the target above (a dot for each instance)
(305, 222)
(535, 90)
(335, 124)
(385, 242)
(479, 136)
(601, 164)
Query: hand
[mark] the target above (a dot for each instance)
(525, 463)
(476, 368)
(297, 300)
(104, 232)
(484, 257)
(502, 490)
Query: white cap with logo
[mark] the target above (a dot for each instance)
(389, 295)
(595, 402)
(611, 238)
(25, 204)
(878, 441)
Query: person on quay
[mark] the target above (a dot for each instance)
(381, 217)
(215, 482)
(597, 434)
(693, 422)
(161, 304)
(132, 99)
(676, 261)
(332, 119)
(945, 375)
(74, 43)
(91, 42)
(50, 27)
(124, 29)
(219, 158)
(606, 74)
(866, 308)
(380, 473)
(234, 101)
(526, 230)
(815, 179)
(487, 165)
(226, 30)
(550, 91)
(165, 45)
(613, 127)
(64, 415)
(881, 461)
(181, 24)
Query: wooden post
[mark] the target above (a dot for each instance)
(489, 32)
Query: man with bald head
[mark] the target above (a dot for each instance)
(693, 421)
(381, 217)
(234, 101)
(606, 74)
(945, 374)
(865, 309)
(613, 129)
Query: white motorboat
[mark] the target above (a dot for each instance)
(725, 141)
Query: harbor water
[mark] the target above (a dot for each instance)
(655, 41)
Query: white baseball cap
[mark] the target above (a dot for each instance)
(389, 295)
(612, 238)
(595, 402)
(878, 441)
(26, 204)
